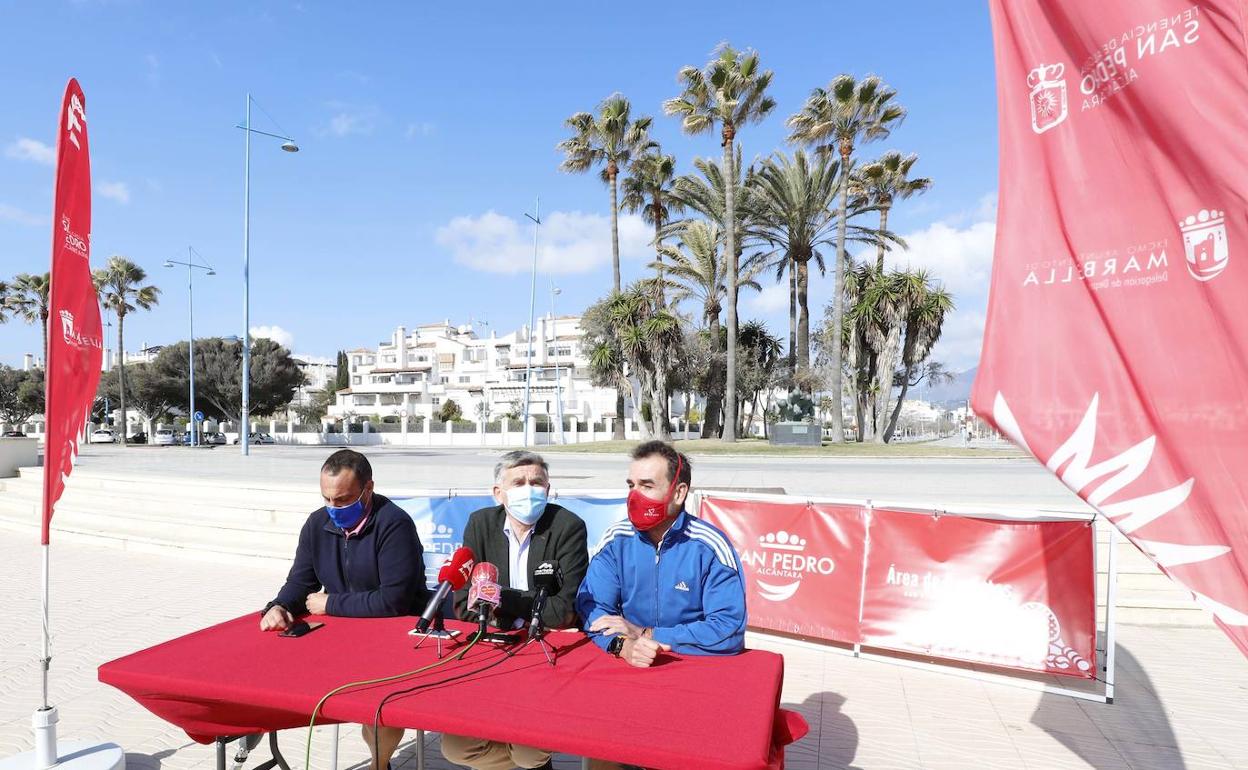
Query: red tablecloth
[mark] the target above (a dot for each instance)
(690, 712)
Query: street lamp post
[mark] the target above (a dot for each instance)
(536, 216)
(555, 291)
(191, 267)
(288, 145)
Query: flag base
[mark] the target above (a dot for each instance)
(67, 755)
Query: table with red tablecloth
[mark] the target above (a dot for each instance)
(686, 712)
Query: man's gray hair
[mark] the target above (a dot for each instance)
(518, 458)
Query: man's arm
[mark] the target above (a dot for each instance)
(722, 632)
(401, 569)
(600, 592)
(301, 580)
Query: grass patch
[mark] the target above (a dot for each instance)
(757, 446)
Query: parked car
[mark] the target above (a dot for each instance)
(102, 436)
(14, 434)
(165, 437)
(216, 438)
(258, 438)
(138, 438)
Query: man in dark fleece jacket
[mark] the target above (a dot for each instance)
(358, 556)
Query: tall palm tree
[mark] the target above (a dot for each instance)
(731, 92)
(886, 181)
(648, 189)
(793, 211)
(610, 139)
(5, 289)
(698, 271)
(119, 285)
(838, 117)
(29, 300)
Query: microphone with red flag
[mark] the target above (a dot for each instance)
(452, 577)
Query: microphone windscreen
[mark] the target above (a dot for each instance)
(457, 568)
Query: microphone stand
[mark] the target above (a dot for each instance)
(538, 634)
(438, 631)
(483, 614)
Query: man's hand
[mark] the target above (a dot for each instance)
(615, 625)
(317, 602)
(641, 652)
(276, 619)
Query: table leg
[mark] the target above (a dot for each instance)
(221, 752)
(584, 763)
(333, 751)
(420, 750)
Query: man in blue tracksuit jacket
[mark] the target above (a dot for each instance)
(663, 580)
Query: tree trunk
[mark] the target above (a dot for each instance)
(43, 316)
(861, 413)
(885, 364)
(615, 228)
(879, 258)
(714, 401)
(730, 251)
(803, 314)
(838, 304)
(792, 317)
(658, 407)
(658, 250)
(901, 399)
(121, 371)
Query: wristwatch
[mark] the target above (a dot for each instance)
(616, 646)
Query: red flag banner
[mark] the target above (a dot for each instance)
(802, 561)
(1116, 347)
(75, 341)
(1006, 593)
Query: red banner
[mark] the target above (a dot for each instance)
(1005, 593)
(74, 331)
(1116, 343)
(803, 563)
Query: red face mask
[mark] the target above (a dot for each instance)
(646, 513)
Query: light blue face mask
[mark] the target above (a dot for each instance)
(347, 516)
(526, 503)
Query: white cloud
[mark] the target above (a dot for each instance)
(423, 128)
(25, 148)
(275, 333)
(115, 191)
(14, 214)
(570, 242)
(350, 119)
(772, 299)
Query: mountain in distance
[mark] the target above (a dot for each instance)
(951, 395)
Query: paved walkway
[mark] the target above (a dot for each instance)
(1182, 700)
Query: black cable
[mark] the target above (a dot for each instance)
(509, 652)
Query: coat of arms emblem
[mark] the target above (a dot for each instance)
(1048, 96)
(1204, 243)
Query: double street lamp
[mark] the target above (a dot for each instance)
(191, 267)
(288, 144)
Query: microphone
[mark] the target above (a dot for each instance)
(548, 578)
(452, 577)
(484, 589)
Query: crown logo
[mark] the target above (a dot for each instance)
(782, 541)
(1206, 218)
(1045, 74)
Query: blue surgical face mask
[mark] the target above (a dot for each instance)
(526, 503)
(347, 516)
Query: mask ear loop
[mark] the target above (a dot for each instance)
(671, 492)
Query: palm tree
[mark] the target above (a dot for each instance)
(731, 92)
(762, 354)
(610, 139)
(29, 300)
(846, 112)
(886, 181)
(648, 189)
(4, 301)
(792, 211)
(923, 325)
(118, 285)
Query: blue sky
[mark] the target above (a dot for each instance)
(426, 133)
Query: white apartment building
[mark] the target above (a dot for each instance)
(416, 372)
(319, 373)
